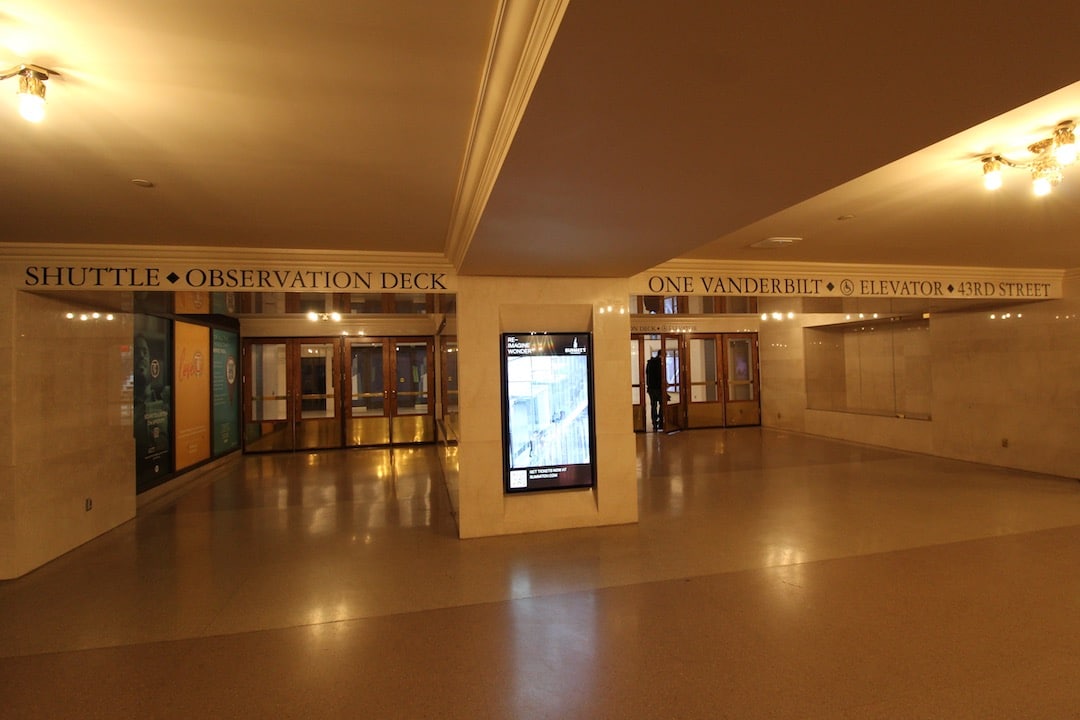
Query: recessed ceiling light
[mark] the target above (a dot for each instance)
(142, 183)
(777, 241)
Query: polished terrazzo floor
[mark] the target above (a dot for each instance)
(772, 575)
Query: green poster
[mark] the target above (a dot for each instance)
(225, 383)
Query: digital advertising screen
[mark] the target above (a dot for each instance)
(548, 426)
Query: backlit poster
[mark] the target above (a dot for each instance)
(223, 303)
(548, 425)
(191, 302)
(226, 387)
(192, 394)
(152, 400)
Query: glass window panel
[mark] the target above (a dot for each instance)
(316, 302)
(317, 380)
(705, 305)
(739, 359)
(267, 303)
(741, 305)
(450, 367)
(741, 391)
(368, 383)
(671, 369)
(412, 378)
(446, 303)
(269, 399)
(740, 370)
(410, 304)
(369, 303)
(876, 368)
(704, 384)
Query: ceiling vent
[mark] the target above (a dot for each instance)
(776, 242)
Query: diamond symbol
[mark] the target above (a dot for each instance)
(951, 288)
(830, 286)
(172, 277)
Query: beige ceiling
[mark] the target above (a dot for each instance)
(544, 137)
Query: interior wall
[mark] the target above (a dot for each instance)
(488, 307)
(69, 434)
(1010, 381)
(9, 560)
(1004, 391)
(826, 365)
(913, 360)
(782, 357)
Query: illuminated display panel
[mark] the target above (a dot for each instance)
(548, 426)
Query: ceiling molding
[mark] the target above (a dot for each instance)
(749, 268)
(1072, 280)
(211, 255)
(520, 42)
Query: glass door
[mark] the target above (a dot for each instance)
(742, 403)
(290, 401)
(707, 379)
(316, 417)
(317, 393)
(412, 408)
(367, 415)
(637, 384)
(389, 391)
(647, 405)
(267, 417)
(673, 401)
(450, 409)
(705, 407)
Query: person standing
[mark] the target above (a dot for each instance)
(654, 386)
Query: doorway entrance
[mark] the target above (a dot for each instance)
(319, 393)
(709, 380)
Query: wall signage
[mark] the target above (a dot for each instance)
(187, 277)
(935, 283)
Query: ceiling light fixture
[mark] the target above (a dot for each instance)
(31, 90)
(776, 241)
(1052, 155)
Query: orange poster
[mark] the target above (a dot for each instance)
(192, 399)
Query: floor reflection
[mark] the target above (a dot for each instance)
(354, 489)
(759, 554)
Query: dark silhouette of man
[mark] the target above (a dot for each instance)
(654, 385)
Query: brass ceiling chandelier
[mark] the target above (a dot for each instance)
(1051, 156)
(31, 90)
